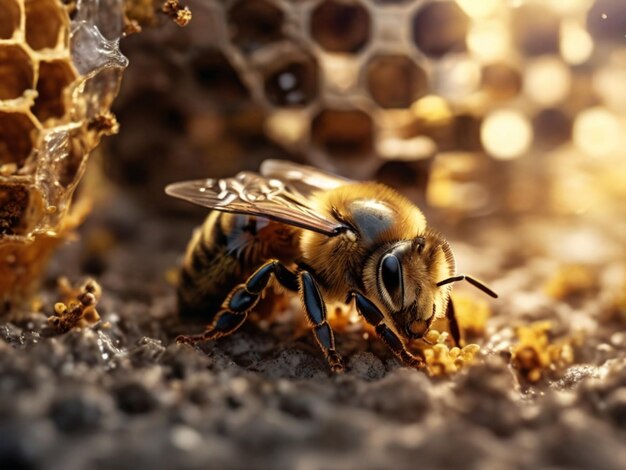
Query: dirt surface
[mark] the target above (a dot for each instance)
(122, 394)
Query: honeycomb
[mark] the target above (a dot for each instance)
(57, 81)
(309, 80)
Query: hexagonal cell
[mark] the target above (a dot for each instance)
(215, 75)
(535, 30)
(54, 78)
(340, 26)
(467, 133)
(44, 21)
(606, 21)
(551, 128)
(9, 18)
(16, 139)
(342, 133)
(153, 121)
(16, 72)
(293, 83)
(501, 81)
(395, 81)
(406, 175)
(440, 28)
(255, 23)
(13, 209)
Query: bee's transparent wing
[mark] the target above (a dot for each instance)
(253, 194)
(305, 179)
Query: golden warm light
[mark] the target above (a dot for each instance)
(432, 108)
(459, 76)
(506, 134)
(488, 40)
(547, 81)
(597, 132)
(608, 83)
(576, 44)
(287, 125)
(453, 185)
(479, 8)
(569, 6)
(412, 149)
(341, 73)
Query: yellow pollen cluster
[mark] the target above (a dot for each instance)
(535, 354)
(442, 360)
(570, 280)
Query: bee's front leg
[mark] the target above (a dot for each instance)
(315, 309)
(374, 317)
(241, 300)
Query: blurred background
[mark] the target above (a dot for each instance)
(470, 107)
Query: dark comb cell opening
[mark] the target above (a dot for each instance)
(409, 81)
(16, 72)
(13, 208)
(440, 28)
(340, 26)
(409, 175)
(254, 24)
(9, 18)
(551, 128)
(215, 75)
(466, 133)
(44, 21)
(292, 84)
(15, 138)
(343, 134)
(54, 78)
(606, 21)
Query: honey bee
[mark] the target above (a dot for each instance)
(325, 237)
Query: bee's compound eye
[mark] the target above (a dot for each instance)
(391, 276)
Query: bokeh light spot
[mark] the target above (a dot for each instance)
(547, 81)
(576, 44)
(597, 132)
(506, 134)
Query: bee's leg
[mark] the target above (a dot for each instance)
(241, 300)
(374, 317)
(315, 309)
(225, 323)
(455, 332)
(429, 323)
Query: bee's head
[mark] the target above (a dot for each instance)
(402, 279)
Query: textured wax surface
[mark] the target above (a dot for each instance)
(123, 395)
(57, 80)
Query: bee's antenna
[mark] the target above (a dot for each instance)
(471, 280)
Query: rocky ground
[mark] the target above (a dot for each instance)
(121, 394)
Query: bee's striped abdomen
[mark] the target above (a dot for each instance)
(222, 253)
(208, 271)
